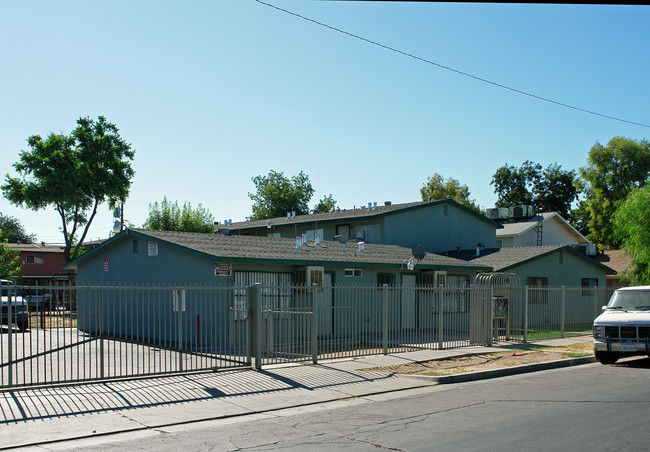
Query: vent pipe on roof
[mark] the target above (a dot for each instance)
(293, 214)
(304, 239)
(387, 203)
(299, 243)
(317, 240)
(374, 206)
(361, 247)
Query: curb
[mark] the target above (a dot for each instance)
(505, 371)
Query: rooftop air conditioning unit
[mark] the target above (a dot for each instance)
(592, 249)
(493, 214)
(517, 212)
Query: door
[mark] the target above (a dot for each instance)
(408, 302)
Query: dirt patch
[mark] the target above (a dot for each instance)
(488, 361)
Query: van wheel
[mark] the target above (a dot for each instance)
(606, 357)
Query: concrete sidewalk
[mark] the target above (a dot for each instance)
(37, 416)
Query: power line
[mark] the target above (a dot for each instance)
(433, 63)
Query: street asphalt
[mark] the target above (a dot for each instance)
(40, 416)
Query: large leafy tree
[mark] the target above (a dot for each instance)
(556, 190)
(632, 226)
(75, 174)
(514, 186)
(13, 231)
(326, 204)
(549, 189)
(436, 187)
(611, 173)
(168, 216)
(276, 195)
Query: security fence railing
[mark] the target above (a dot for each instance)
(96, 332)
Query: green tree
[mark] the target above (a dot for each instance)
(611, 173)
(13, 231)
(436, 187)
(555, 190)
(170, 217)
(548, 190)
(514, 186)
(326, 204)
(276, 195)
(74, 173)
(10, 261)
(632, 226)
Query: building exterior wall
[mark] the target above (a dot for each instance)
(439, 228)
(563, 268)
(554, 232)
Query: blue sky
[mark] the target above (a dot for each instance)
(213, 93)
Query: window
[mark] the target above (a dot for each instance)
(344, 231)
(275, 235)
(308, 276)
(369, 233)
(32, 259)
(588, 285)
(353, 272)
(385, 278)
(537, 292)
(435, 279)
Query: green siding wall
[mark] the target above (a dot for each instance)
(438, 228)
(568, 272)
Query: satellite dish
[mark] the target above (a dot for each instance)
(418, 252)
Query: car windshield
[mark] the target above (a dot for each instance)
(630, 301)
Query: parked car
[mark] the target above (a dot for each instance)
(623, 329)
(38, 299)
(19, 306)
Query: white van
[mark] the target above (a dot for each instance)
(623, 329)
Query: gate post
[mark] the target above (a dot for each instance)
(254, 323)
(440, 319)
(491, 317)
(314, 326)
(526, 315)
(101, 333)
(562, 313)
(10, 335)
(384, 329)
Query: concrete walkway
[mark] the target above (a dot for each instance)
(31, 417)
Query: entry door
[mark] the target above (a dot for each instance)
(408, 302)
(324, 307)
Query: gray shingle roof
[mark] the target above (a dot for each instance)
(501, 259)
(346, 214)
(518, 227)
(239, 248)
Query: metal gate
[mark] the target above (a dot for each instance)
(86, 333)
